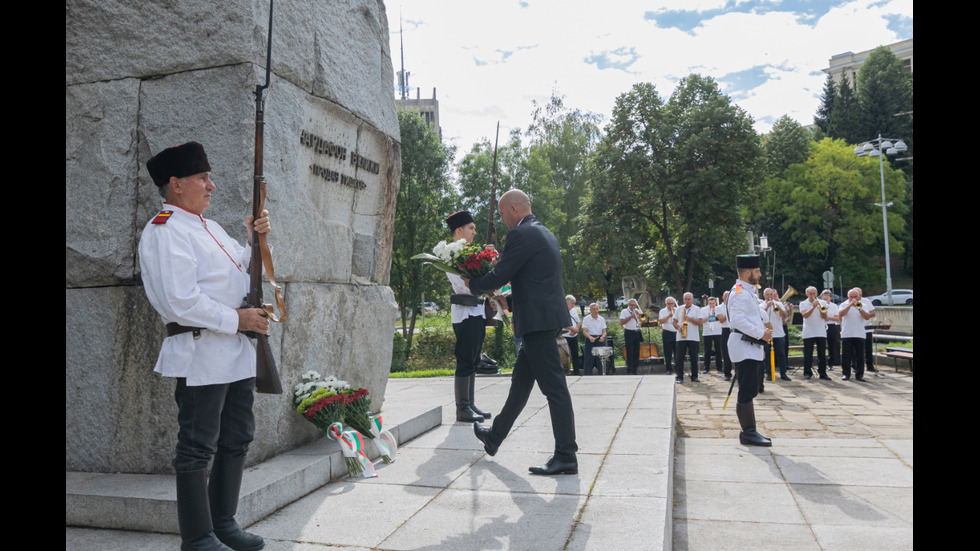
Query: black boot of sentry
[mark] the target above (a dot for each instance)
(223, 490)
(476, 410)
(464, 402)
(194, 513)
(746, 418)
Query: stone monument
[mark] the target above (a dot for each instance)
(143, 76)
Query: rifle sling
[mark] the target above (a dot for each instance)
(270, 270)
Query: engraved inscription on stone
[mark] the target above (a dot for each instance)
(326, 147)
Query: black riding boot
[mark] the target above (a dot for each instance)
(746, 418)
(194, 513)
(223, 490)
(464, 401)
(476, 410)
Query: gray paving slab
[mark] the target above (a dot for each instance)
(660, 467)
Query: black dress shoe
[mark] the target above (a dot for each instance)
(483, 435)
(846, 378)
(808, 376)
(553, 466)
(728, 377)
(861, 378)
(679, 380)
(695, 380)
(785, 377)
(824, 378)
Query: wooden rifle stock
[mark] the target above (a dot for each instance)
(266, 374)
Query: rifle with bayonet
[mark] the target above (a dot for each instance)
(266, 374)
(488, 311)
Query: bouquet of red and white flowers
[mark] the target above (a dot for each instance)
(461, 258)
(327, 401)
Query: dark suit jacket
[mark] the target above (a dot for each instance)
(531, 262)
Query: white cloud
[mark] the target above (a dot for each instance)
(489, 60)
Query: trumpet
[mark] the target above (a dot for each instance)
(816, 302)
(858, 305)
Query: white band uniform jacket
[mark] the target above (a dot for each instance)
(196, 275)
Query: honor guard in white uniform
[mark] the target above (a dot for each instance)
(749, 333)
(196, 276)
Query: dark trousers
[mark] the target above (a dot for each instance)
(748, 373)
(689, 348)
(808, 344)
(833, 344)
(852, 356)
(632, 339)
(777, 347)
(573, 355)
(712, 347)
(725, 333)
(869, 351)
(589, 360)
(470, 334)
(670, 341)
(538, 361)
(213, 419)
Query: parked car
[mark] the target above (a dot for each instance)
(603, 303)
(899, 296)
(621, 302)
(430, 307)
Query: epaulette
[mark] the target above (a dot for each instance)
(162, 217)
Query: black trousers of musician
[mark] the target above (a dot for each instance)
(538, 361)
(748, 373)
(670, 341)
(833, 344)
(470, 334)
(632, 340)
(869, 351)
(590, 360)
(691, 349)
(852, 357)
(808, 344)
(573, 353)
(778, 346)
(712, 347)
(725, 333)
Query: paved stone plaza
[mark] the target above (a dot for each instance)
(839, 475)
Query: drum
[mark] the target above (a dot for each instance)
(602, 351)
(563, 351)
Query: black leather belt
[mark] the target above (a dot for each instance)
(750, 339)
(465, 300)
(174, 328)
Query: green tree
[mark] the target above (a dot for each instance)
(822, 118)
(561, 140)
(673, 176)
(425, 197)
(884, 89)
(845, 119)
(826, 208)
(788, 143)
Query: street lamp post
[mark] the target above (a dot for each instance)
(876, 148)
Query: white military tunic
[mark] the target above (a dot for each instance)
(195, 275)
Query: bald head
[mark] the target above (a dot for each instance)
(513, 206)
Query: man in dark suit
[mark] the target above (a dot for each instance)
(531, 262)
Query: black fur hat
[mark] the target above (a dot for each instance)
(181, 160)
(458, 219)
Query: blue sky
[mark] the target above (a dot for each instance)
(490, 60)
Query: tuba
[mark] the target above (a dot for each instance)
(789, 292)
